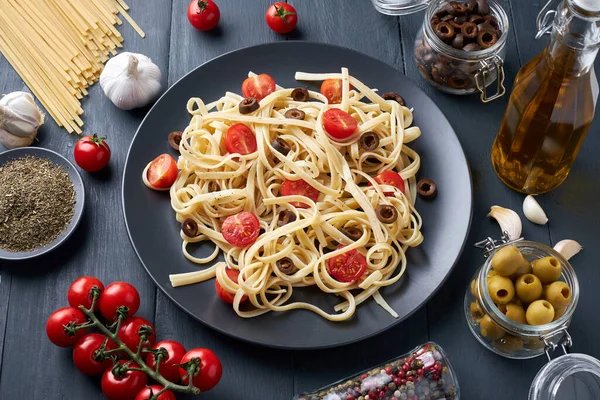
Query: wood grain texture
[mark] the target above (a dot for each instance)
(5, 279)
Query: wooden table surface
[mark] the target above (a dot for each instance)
(31, 368)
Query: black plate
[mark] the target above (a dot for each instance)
(154, 231)
(79, 198)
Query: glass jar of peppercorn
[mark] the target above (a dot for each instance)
(462, 46)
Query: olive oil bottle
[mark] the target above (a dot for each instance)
(552, 104)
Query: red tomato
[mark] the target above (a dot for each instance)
(79, 292)
(282, 17)
(55, 326)
(168, 365)
(223, 294)
(300, 188)
(210, 370)
(84, 354)
(338, 124)
(129, 333)
(348, 266)
(241, 229)
(92, 153)
(162, 172)
(332, 89)
(204, 15)
(125, 386)
(240, 139)
(118, 294)
(149, 391)
(390, 178)
(259, 86)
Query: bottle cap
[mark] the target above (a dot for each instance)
(590, 5)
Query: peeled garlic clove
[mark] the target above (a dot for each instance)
(19, 114)
(568, 248)
(509, 221)
(533, 211)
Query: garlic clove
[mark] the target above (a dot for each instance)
(568, 248)
(19, 114)
(509, 221)
(533, 211)
(11, 141)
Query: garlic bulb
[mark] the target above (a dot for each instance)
(568, 248)
(130, 80)
(533, 211)
(20, 119)
(509, 221)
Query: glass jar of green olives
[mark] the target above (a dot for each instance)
(523, 306)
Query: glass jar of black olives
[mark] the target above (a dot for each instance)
(462, 45)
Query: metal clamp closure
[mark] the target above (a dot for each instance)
(490, 245)
(481, 77)
(552, 340)
(545, 19)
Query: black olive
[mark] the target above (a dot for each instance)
(352, 233)
(472, 47)
(427, 189)
(386, 213)
(175, 139)
(487, 38)
(469, 30)
(445, 31)
(394, 96)
(248, 105)
(369, 141)
(281, 146)
(300, 94)
(286, 266)
(189, 227)
(483, 6)
(459, 41)
(213, 187)
(285, 217)
(294, 113)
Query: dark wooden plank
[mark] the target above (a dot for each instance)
(99, 247)
(5, 279)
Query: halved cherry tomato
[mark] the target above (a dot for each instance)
(338, 124)
(300, 188)
(162, 172)
(259, 86)
(239, 139)
(348, 266)
(169, 367)
(223, 294)
(390, 178)
(332, 89)
(241, 229)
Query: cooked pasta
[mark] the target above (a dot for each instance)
(213, 184)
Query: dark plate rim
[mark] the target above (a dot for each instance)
(78, 186)
(247, 340)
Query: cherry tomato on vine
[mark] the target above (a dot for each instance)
(390, 178)
(168, 366)
(204, 15)
(241, 229)
(209, 373)
(61, 319)
(162, 171)
(348, 266)
(338, 124)
(86, 358)
(240, 139)
(332, 89)
(259, 86)
(80, 291)
(282, 17)
(125, 385)
(223, 294)
(92, 153)
(129, 333)
(300, 188)
(118, 294)
(149, 391)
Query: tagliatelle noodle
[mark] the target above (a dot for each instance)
(342, 173)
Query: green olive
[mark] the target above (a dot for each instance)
(490, 329)
(529, 288)
(476, 311)
(525, 269)
(501, 289)
(514, 312)
(558, 294)
(474, 288)
(508, 344)
(491, 273)
(540, 312)
(548, 269)
(508, 260)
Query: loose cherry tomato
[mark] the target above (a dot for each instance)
(204, 15)
(332, 89)
(259, 86)
(300, 188)
(162, 172)
(348, 266)
(149, 391)
(223, 294)
(282, 17)
(209, 373)
(60, 324)
(390, 178)
(129, 333)
(86, 357)
(92, 153)
(168, 365)
(118, 294)
(80, 291)
(123, 385)
(338, 124)
(241, 229)
(240, 139)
